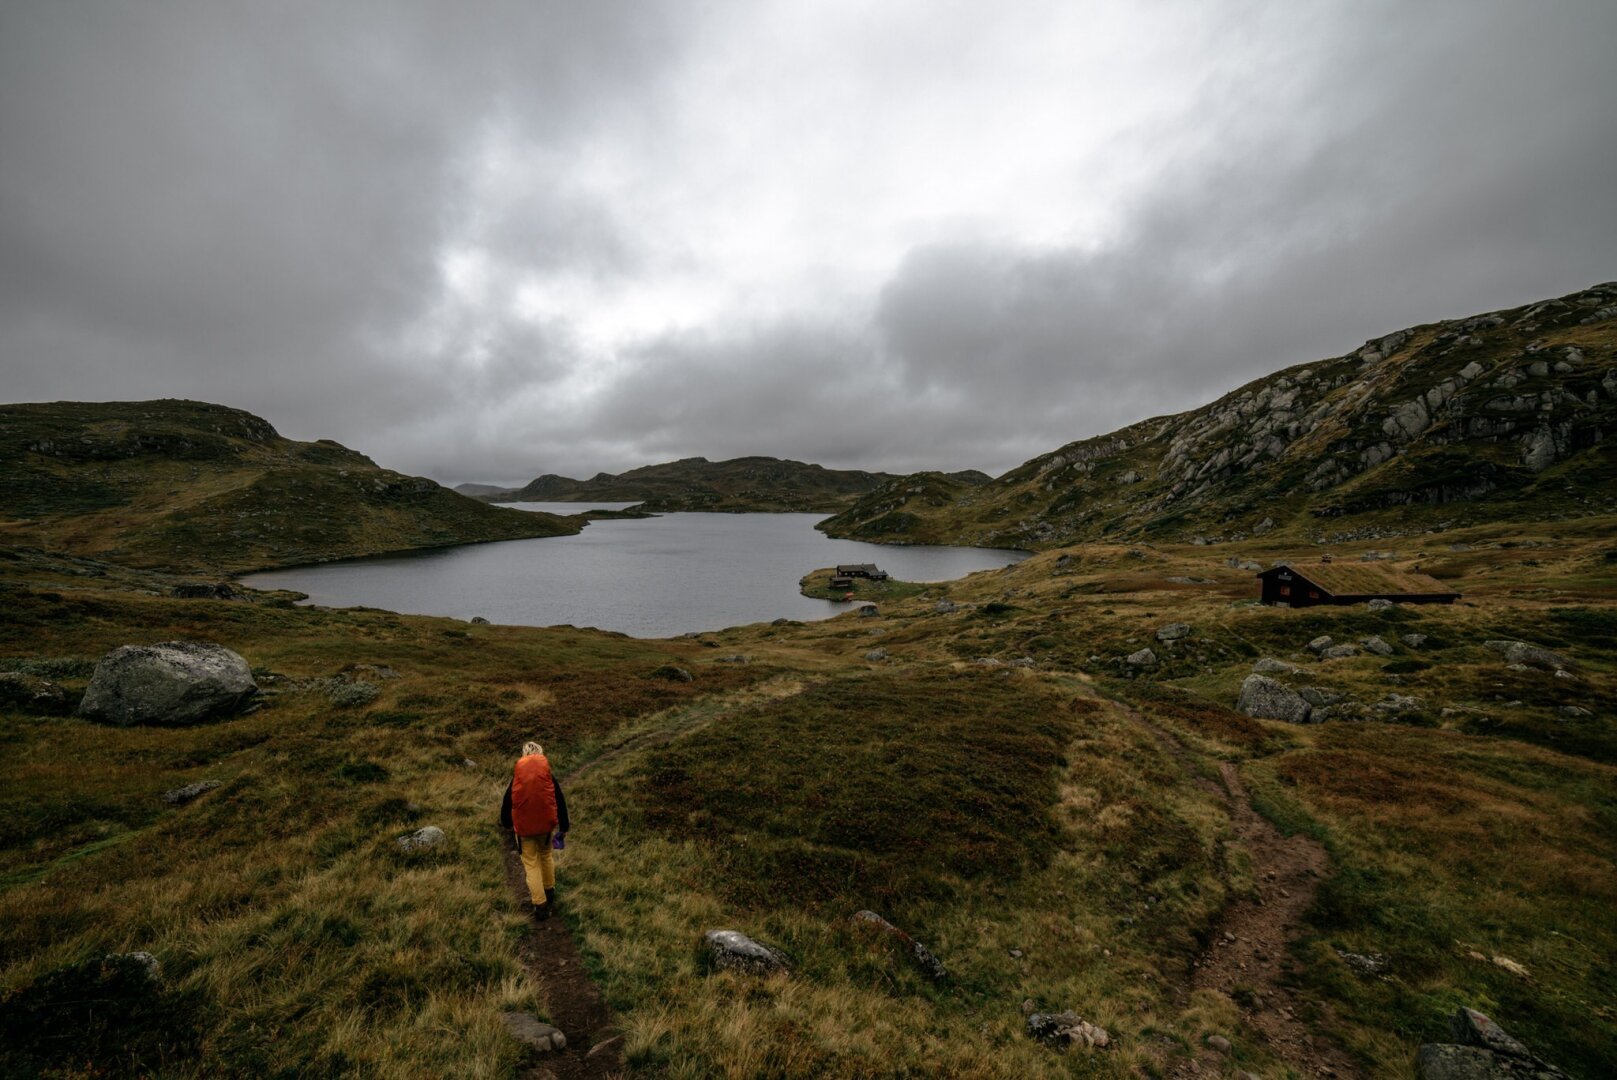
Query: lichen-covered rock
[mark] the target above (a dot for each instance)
(1319, 696)
(1521, 652)
(929, 964)
(945, 606)
(533, 1031)
(1376, 645)
(731, 950)
(421, 840)
(181, 795)
(174, 682)
(1414, 641)
(1339, 652)
(1064, 1029)
(1380, 603)
(1265, 699)
(1173, 631)
(1143, 658)
(1320, 644)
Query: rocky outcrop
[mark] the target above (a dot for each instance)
(731, 950)
(1481, 1051)
(175, 682)
(1064, 1029)
(1265, 699)
(1522, 652)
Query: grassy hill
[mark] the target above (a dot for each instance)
(1505, 415)
(741, 484)
(189, 485)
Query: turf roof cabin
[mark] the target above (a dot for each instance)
(864, 570)
(1290, 585)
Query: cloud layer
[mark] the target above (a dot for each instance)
(493, 240)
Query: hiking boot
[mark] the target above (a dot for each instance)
(550, 898)
(541, 912)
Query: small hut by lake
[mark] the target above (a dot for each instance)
(861, 570)
(1298, 585)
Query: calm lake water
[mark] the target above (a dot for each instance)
(649, 577)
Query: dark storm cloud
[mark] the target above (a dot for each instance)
(491, 241)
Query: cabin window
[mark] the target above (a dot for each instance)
(1285, 590)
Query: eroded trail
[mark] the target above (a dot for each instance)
(549, 951)
(1248, 958)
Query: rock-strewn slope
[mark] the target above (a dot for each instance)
(1513, 411)
(190, 486)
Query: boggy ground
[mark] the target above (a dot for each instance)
(1061, 834)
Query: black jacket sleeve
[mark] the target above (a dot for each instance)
(562, 824)
(505, 808)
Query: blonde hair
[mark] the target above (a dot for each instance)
(531, 748)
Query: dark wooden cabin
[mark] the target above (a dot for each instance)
(1293, 585)
(864, 570)
(839, 582)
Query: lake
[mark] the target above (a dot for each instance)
(647, 577)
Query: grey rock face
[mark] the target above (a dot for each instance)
(1481, 1051)
(1339, 652)
(1376, 645)
(421, 840)
(929, 964)
(181, 795)
(1143, 658)
(1521, 652)
(1263, 698)
(1064, 1029)
(732, 950)
(175, 682)
(1174, 631)
(1320, 644)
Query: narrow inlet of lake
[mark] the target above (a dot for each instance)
(648, 577)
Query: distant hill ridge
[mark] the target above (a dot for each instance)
(186, 485)
(695, 483)
(1501, 415)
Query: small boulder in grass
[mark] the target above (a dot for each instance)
(1173, 631)
(1064, 1029)
(181, 795)
(731, 950)
(929, 964)
(529, 1029)
(421, 840)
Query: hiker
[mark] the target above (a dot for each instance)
(536, 813)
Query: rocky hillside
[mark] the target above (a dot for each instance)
(191, 486)
(741, 484)
(1496, 416)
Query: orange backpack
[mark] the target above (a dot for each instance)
(533, 797)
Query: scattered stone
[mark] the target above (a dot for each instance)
(1024, 662)
(989, 661)
(732, 950)
(478, 620)
(1065, 1029)
(535, 1032)
(421, 840)
(181, 795)
(1380, 604)
(1376, 645)
(1339, 652)
(869, 611)
(1319, 697)
(945, 606)
(1016, 954)
(1250, 565)
(1414, 641)
(1143, 658)
(1364, 963)
(1399, 703)
(605, 1046)
(1566, 675)
(1573, 712)
(1320, 644)
(734, 658)
(876, 654)
(929, 964)
(33, 694)
(198, 590)
(174, 682)
(1521, 652)
(1219, 1043)
(1265, 699)
(1268, 665)
(1173, 631)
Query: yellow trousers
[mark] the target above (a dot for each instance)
(539, 866)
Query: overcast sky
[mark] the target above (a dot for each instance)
(484, 241)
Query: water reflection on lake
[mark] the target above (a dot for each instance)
(652, 577)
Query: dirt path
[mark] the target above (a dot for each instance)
(550, 951)
(1248, 958)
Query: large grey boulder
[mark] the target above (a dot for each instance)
(174, 682)
(1521, 652)
(1265, 699)
(731, 950)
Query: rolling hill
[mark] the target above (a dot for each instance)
(1506, 414)
(186, 485)
(740, 484)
